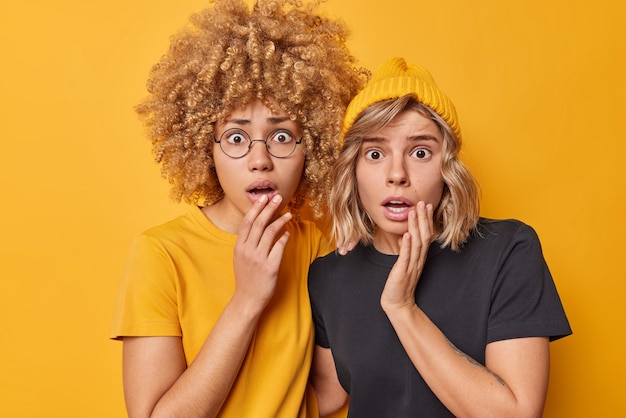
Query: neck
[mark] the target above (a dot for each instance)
(223, 219)
(387, 243)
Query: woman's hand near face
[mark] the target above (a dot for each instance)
(399, 291)
(259, 250)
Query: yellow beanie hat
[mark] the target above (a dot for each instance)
(395, 79)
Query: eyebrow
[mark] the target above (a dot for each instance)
(377, 139)
(274, 120)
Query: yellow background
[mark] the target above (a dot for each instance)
(539, 87)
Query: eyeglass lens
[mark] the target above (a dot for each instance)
(236, 143)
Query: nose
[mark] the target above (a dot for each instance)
(397, 174)
(258, 158)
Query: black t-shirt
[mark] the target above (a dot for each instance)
(497, 287)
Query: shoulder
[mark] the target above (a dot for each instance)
(502, 226)
(179, 232)
(497, 239)
(304, 227)
(334, 265)
(171, 227)
(503, 230)
(306, 234)
(324, 275)
(328, 261)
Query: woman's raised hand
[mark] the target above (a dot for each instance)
(399, 291)
(259, 250)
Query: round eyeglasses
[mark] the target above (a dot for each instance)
(236, 143)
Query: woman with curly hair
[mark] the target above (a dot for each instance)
(244, 114)
(406, 326)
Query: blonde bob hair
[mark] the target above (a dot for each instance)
(280, 52)
(455, 216)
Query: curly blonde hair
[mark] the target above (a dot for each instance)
(456, 215)
(278, 51)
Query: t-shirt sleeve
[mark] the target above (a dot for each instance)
(525, 302)
(316, 297)
(324, 246)
(147, 299)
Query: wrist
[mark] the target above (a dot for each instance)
(246, 308)
(400, 312)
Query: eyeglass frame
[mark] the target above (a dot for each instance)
(251, 141)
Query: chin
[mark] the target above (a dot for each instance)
(397, 230)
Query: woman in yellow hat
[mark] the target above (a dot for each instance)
(434, 311)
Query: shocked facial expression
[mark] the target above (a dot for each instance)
(246, 178)
(397, 167)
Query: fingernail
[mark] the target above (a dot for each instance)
(263, 198)
(276, 198)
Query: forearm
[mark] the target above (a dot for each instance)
(201, 390)
(464, 386)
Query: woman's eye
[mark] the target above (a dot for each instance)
(373, 154)
(421, 153)
(282, 137)
(236, 138)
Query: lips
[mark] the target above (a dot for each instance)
(397, 208)
(260, 188)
